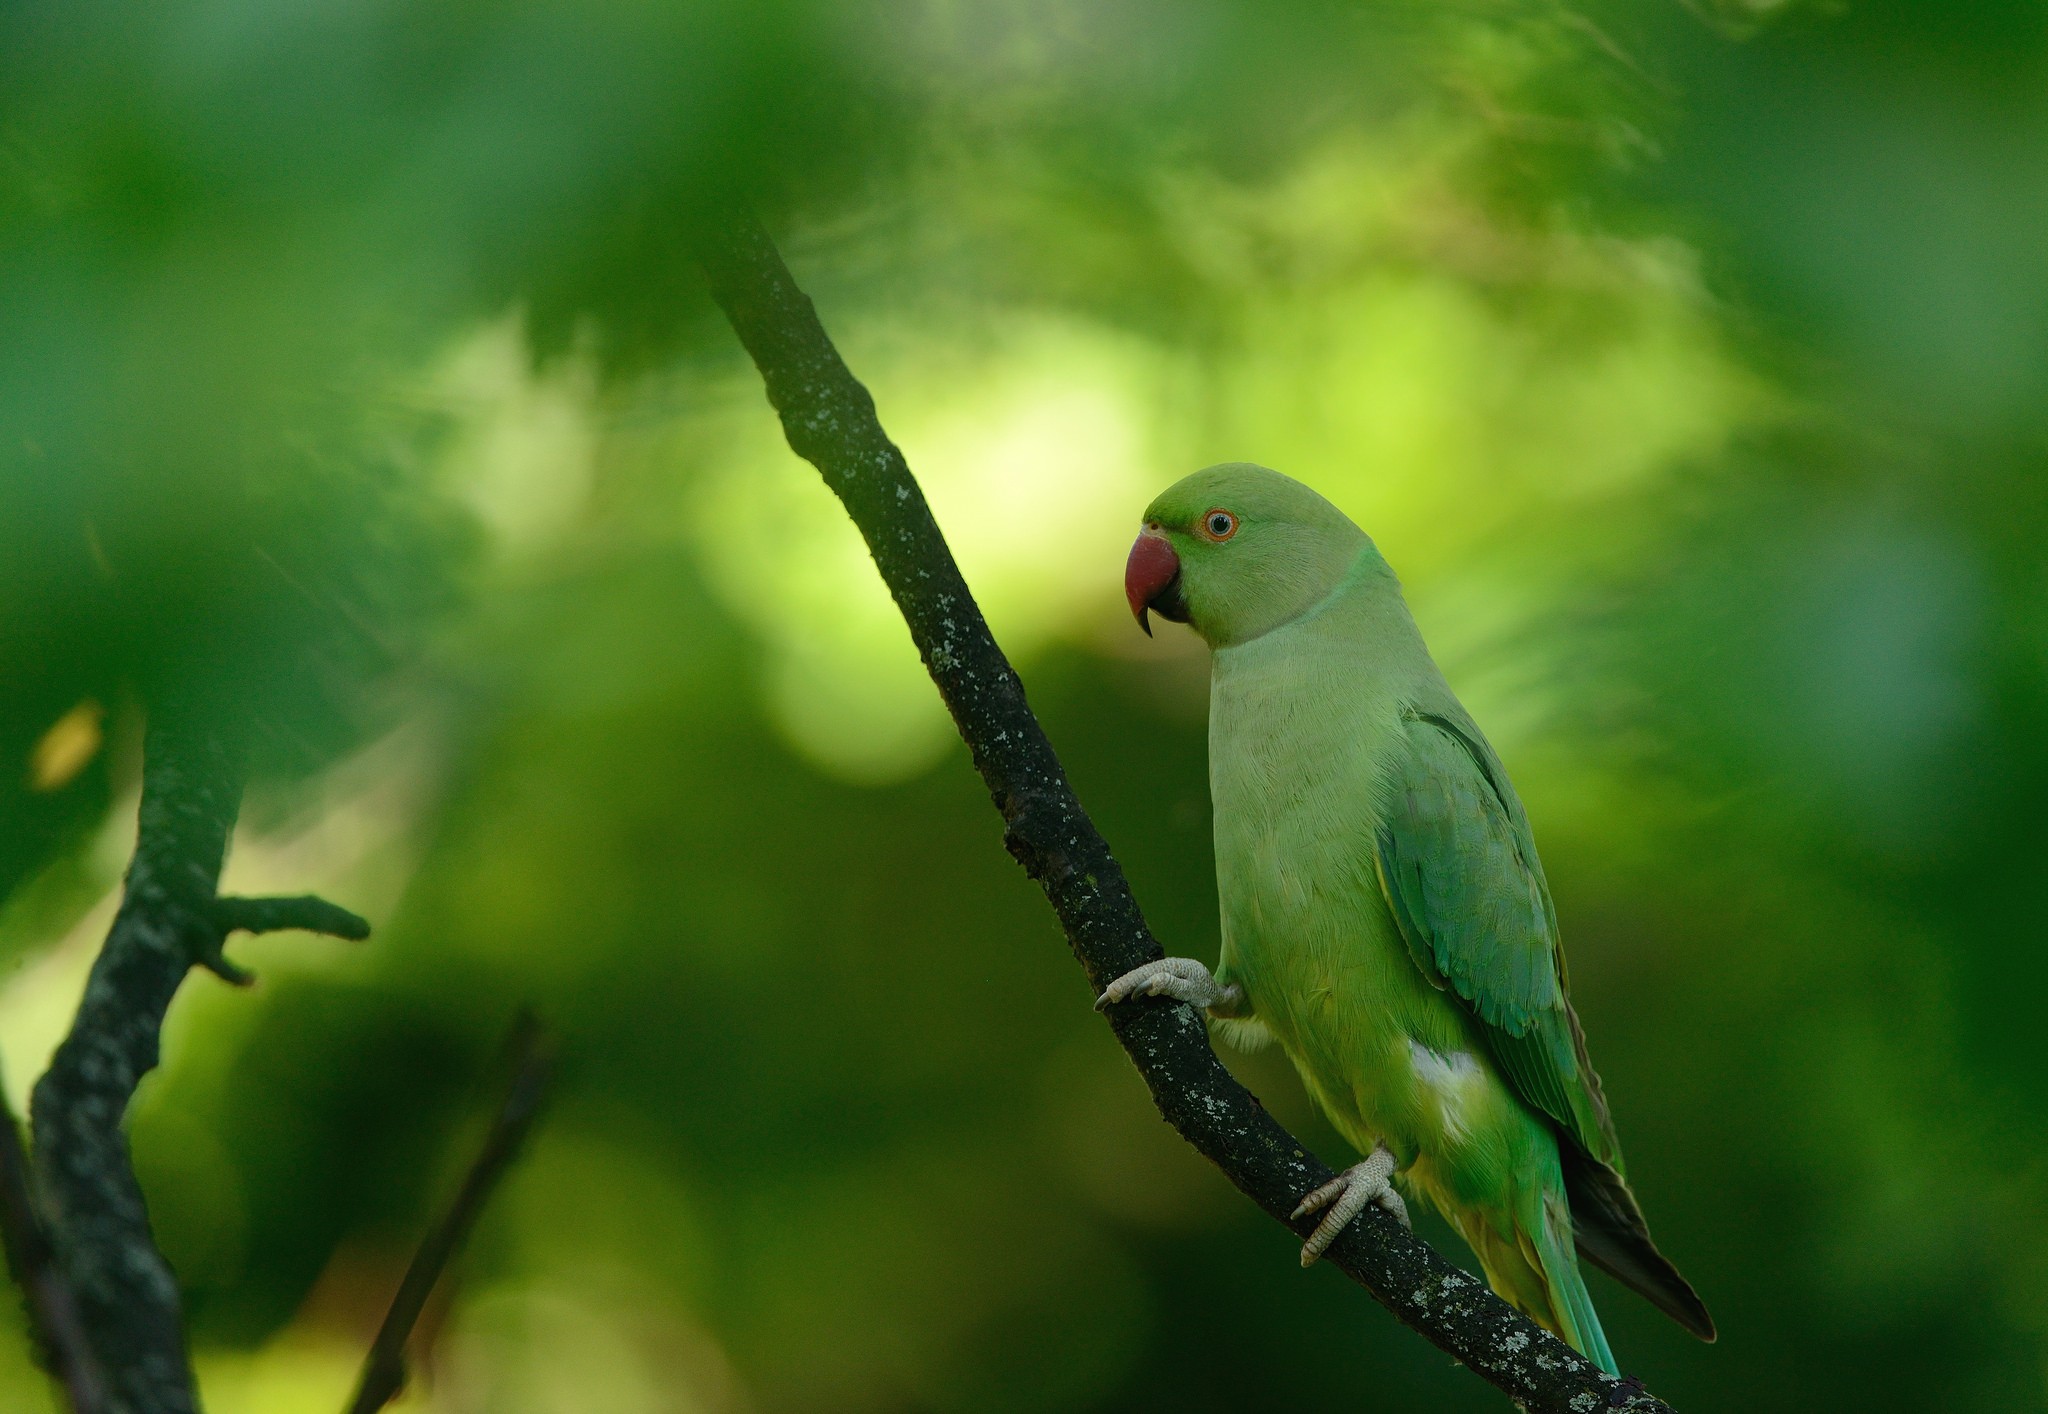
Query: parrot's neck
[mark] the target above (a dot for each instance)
(1360, 634)
(1368, 585)
(1365, 601)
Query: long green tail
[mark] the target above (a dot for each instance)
(1570, 1302)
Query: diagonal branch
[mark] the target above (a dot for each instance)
(384, 1369)
(830, 421)
(169, 920)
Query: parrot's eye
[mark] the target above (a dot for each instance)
(1219, 525)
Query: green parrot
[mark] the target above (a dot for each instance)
(1385, 917)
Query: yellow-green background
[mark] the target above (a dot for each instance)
(1689, 361)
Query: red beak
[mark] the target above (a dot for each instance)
(1150, 576)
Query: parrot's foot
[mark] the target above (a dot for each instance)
(1182, 978)
(1346, 1196)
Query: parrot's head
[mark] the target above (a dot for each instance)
(1237, 550)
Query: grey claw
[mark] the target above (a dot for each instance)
(1346, 1196)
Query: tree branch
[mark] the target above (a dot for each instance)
(830, 421)
(384, 1369)
(52, 1310)
(169, 920)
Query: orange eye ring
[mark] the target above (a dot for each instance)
(1216, 525)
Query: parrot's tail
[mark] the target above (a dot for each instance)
(1570, 1303)
(1526, 1253)
(1611, 1234)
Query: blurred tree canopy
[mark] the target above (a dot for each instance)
(1690, 361)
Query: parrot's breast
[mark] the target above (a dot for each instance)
(1300, 724)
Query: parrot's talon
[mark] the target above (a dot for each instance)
(1347, 1195)
(1181, 978)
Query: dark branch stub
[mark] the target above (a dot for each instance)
(384, 1369)
(274, 915)
(269, 915)
(84, 1179)
(830, 421)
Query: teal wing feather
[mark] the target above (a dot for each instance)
(1457, 864)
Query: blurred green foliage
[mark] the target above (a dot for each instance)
(1690, 362)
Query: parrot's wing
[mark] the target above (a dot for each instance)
(1457, 863)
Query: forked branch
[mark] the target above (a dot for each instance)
(170, 919)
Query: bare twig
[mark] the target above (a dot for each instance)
(127, 1298)
(384, 1370)
(53, 1311)
(270, 915)
(273, 915)
(830, 421)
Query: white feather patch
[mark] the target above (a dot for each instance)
(1455, 1080)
